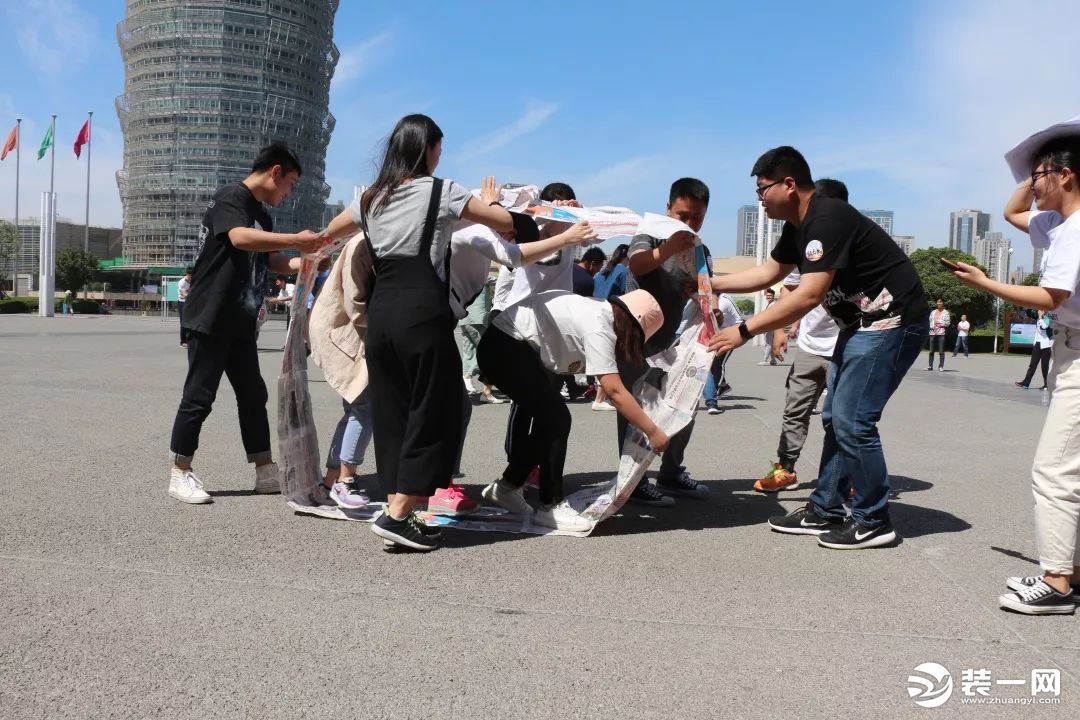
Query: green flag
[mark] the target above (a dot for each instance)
(46, 143)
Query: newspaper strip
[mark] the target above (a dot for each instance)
(298, 441)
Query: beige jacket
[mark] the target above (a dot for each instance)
(339, 321)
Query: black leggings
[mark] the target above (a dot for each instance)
(937, 342)
(514, 367)
(1039, 354)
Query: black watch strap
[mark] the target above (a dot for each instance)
(744, 331)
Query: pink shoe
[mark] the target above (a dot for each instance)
(534, 477)
(451, 501)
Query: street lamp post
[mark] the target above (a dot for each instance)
(997, 300)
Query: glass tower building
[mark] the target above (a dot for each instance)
(207, 83)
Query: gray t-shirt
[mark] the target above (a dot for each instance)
(397, 225)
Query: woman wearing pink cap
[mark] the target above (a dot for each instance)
(558, 331)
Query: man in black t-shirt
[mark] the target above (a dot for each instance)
(237, 251)
(872, 291)
(662, 268)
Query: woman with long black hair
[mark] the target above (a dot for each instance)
(412, 357)
(612, 279)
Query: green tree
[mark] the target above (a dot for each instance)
(9, 249)
(745, 305)
(74, 268)
(939, 282)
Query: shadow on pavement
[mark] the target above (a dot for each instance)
(1014, 554)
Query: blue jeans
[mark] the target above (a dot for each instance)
(866, 369)
(352, 434)
(716, 378)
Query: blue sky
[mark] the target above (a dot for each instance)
(911, 103)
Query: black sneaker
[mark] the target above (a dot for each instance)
(803, 521)
(683, 484)
(1039, 599)
(723, 390)
(647, 494)
(408, 532)
(853, 536)
(712, 409)
(1022, 583)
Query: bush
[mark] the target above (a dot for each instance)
(10, 306)
(86, 306)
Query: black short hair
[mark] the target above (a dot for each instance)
(691, 188)
(784, 162)
(557, 191)
(188, 270)
(277, 153)
(827, 187)
(1059, 154)
(594, 254)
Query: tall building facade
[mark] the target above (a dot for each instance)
(993, 251)
(1037, 259)
(746, 241)
(207, 83)
(105, 243)
(884, 218)
(965, 226)
(905, 242)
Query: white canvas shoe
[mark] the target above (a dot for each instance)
(185, 486)
(267, 479)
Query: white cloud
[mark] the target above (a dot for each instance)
(56, 36)
(361, 58)
(534, 116)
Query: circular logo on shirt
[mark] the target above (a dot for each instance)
(814, 250)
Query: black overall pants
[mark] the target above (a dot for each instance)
(414, 369)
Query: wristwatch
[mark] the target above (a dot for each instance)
(744, 332)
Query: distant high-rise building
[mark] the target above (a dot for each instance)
(905, 242)
(992, 251)
(1036, 264)
(207, 83)
(965, 226)
(746, 242)
(105, 243)
(1016, 277)
(884, 218)
(332, 211)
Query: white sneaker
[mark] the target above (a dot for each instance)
(186, 486)
(561, 517)
(513, 499)
(489, 398)
(602, 406)
(267, 479)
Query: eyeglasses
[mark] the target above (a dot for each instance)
(1040, 173)
(765, 188)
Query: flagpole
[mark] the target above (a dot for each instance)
(18, 232)
(89, 137)
(52, 170)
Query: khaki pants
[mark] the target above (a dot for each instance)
(1055, 474)
(805, 382)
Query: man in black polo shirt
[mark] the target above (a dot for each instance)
(869, 286)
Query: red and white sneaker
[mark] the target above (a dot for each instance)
(451, 501)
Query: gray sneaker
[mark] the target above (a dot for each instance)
(511, 498)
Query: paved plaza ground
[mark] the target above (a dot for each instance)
(119, 602)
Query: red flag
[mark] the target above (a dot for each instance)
(10, 143)
(84, 137)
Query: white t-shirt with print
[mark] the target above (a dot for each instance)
(554, 273)
(572, 333)
(1061, 261)
(817, 329)
(962, 328)
(473, 249)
